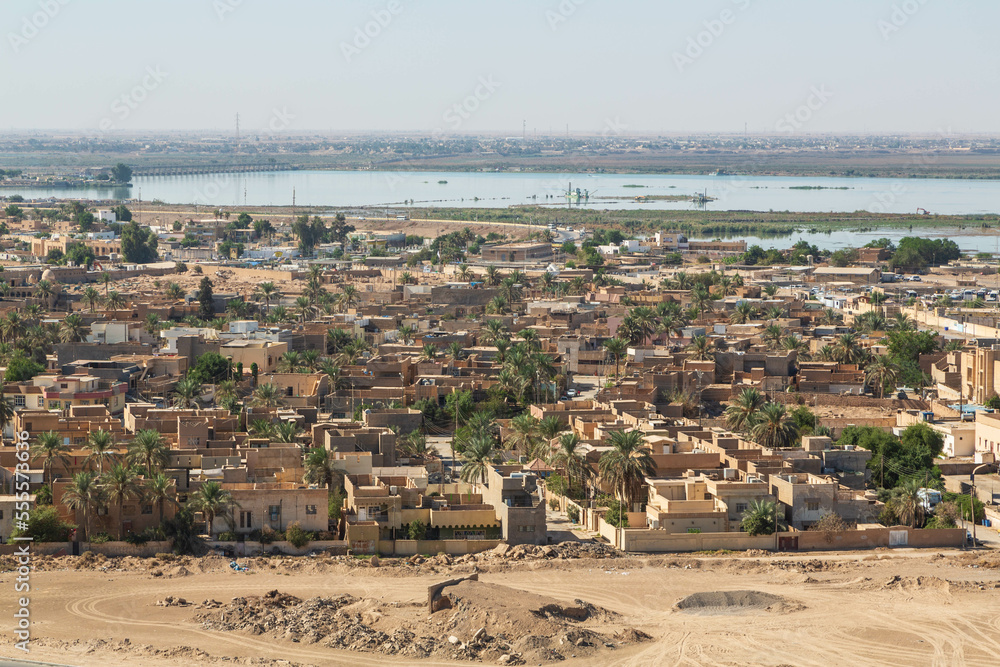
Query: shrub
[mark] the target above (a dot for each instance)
(100, 538)
(417, 530)
(297, 537)
(617, 514)
(227, 536)
(44, 525)
(136, 539)
(197, 269)
(573, 513)
(554, 504)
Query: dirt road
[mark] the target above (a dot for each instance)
(881, 608)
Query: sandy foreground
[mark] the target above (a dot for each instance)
(901, 607)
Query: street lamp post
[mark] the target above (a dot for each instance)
(972, 498)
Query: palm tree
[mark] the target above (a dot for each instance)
(101, 445)
(261, 428)
(626, 465)
(289, 362)
(268, 396)
(524, 433)
(645, 321)
(350, 296)
(495, 331)
(831, 316)
(796, 345)
(44, 291)
(570, 458)
(6, 412)
(212, 500)
(901, 322)
(550, 427)
(465, 274)
(186, 392)
(455, 351)
(406, 278)
(743, 313)
(72, 330)
(287, 432)
(702, 348)
(846, 350)
(879, 372)
(510, 290)
(83, 493)
(428, 353)
(321, 468)
(174, 291)
(760, 518)
(772, 335)
(877, 299)
(908, 504)
(91, 297)
(160, 490)
(406, 333)
(148, 450)
(114, 301)
(617, 348)
(105, 280)
(265, 292)
(497, 305)
(493, 276)
(480, 452)
(49, 446)
(741, 413)
(770, 289)
(702, 299)
(773, 427)
(152, 325)
(121, 483)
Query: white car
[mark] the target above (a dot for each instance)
(571, 392)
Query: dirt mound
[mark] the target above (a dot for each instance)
(734, 602)
(483, 622)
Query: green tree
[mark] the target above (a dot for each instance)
(148, 450)
(626, 465)
(121, 173)
(760, 518)
(82, 494)
(773, 427)
(212, 500)
(44, 525)
(121, 483)
(49, 447)
(212, 368)
(206, 310)
(138, 244)
(740, 415)
(321, 468)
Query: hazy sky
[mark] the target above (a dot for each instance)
(486, 65)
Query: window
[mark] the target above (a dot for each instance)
(194, 442)
(741, 507)
(310, 509)
(147, 509)
(19, 400)
(1, 515)
(84, 402)
(246, 519)
(525, 529)
(54, 404)
(812, 505)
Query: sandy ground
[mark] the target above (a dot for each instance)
(902, 607)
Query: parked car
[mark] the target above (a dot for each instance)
(571, 392)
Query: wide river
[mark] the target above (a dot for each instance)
(606, 191)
